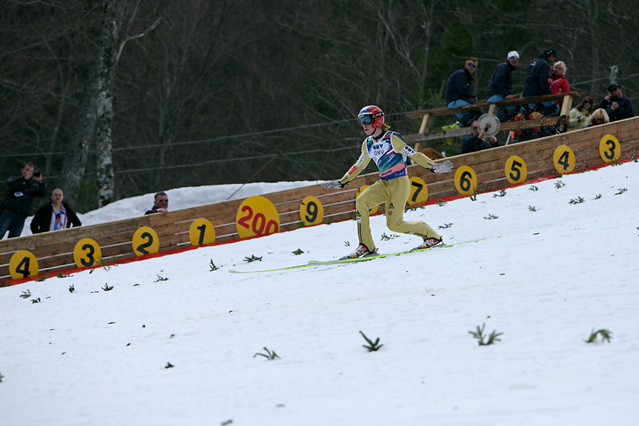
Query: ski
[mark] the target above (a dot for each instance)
(358, 259)
(286, 268)
(383, 255)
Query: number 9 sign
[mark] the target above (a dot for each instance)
(257, 216)
(311, 211)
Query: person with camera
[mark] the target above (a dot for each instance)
(477, 139)
(21, 191)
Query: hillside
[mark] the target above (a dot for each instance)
(177, 339)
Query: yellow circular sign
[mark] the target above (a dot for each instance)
(418, 191)
(86, 253)
(609, 149)
(311, 211)
(145, 241)
(257, 216)
(362, 189)
(201, 232)
(516, 170)
(465, 180)
(564, 159)
(23, 264)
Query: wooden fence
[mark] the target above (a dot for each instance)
(89, 246)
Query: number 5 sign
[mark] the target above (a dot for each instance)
(257, 216)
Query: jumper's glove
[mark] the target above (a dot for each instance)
(443, 167)
(332, 184)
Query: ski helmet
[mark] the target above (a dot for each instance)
(371, 114)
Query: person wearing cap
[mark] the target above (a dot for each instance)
(500, 85)
(536, 83)
(616, 104)
(458, 91)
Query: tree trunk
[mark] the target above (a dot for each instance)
(107, 63)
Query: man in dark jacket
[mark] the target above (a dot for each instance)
(500, 85)
(536, 84)
(616, 104)
(21, 191)
(458, 91)
(160, 204)
(55, 215)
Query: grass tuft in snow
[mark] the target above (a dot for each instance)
(253, 258)
(577, 200)
(26, 294)
(212, 266)
(269, 355)
(606, 335)
(372, 346)
(501, 193)
(481, 337)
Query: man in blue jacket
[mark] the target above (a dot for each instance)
(536, 84)
(616, 104)
(501, 82)
(458, 90)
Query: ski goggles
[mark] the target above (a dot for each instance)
(368, 118)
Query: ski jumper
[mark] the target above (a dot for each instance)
(390, 153)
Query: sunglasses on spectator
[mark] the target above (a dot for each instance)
(475, 127)
(161, 200)
(471, 65)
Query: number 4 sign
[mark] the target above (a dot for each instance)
(23, 264)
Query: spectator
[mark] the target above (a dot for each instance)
(477, 140)
(500, 85)
(536, 84)
(616, 104)
(600, 116)
(55, 215)
(458, 91)
(558, 82)
(579, 115)
(160, 205)
(21, 191)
